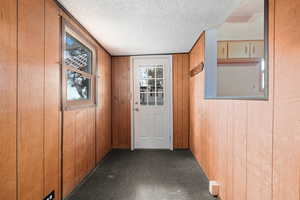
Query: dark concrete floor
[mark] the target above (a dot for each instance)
(145, 175)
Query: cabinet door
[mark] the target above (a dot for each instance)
(238, 49)
(257, 49)
(222, 50)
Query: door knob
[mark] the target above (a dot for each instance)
(136, 109)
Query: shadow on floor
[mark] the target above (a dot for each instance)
(145, 175)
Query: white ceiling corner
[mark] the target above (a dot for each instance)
(131, 27)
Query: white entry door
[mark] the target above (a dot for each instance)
(152, 106)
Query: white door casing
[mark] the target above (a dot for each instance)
(151, 87)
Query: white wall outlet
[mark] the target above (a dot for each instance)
(214, 188)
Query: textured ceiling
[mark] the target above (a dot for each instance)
(247, 10)
(131, 27)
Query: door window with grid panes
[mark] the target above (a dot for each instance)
(151, 84)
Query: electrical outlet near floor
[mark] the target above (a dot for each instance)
(50, 196)
(214, 188)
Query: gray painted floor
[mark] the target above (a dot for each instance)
(145, 175)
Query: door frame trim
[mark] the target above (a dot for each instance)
(170, 96)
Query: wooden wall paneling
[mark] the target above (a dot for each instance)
(8, 96)
(286, 168)
(106, 87)
(205, 130)
(221, 133)
(115, 100)
(115, 94)
(69, 153)
(259, 150)
(78, 147)
(181, 101)
(177, 65)
(197, 53)
(31, 99)
(202, 133)
(121, 127)
(212, 138)
(81, 145)
(207, 137)
(52, 113)
(229, 159)
(114, 117)
(175, 101)
(186, 101)
(103, 116)
(202, 111)
(104, 104)
(31, 87)
(239, 150)
(125, 102)
(196, 104)
(107, 94)
(200, 130)
(84, 142)
(192, 139)
(260, 133)
(232, 139)
(100, 108)
(109, 103)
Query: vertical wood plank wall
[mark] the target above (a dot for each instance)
(103, 116)
(87, 131)
(181, 74)
(52, 115)
(79, 137)
(250, 147)
(30, 113)
(31, 69)
(232, 139)
(121, 127)
(78, 146)
(8, 102)
(286, 154)
(237, 143)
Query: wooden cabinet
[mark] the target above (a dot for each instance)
(222, 50)
(238, 49)
(228, 50)
(257, 49)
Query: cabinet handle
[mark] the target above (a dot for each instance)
(246, 49)
(253, 50)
